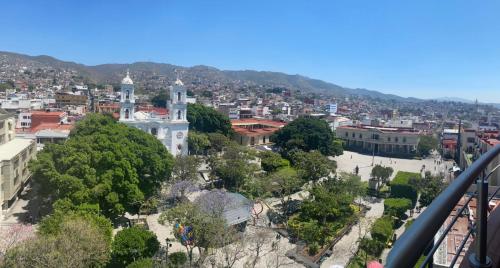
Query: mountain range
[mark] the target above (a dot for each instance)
(111, 73)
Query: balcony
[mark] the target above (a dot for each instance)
(478, 244)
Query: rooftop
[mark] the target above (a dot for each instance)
(13, 148)
(383, 129)
(254, 121)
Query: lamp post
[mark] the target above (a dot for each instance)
(168, 244)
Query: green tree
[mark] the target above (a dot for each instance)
(381, 175)
(307, 134)
(430, 187)
(65, 211)
(235, 166)
(142, 263)
(105, 163)
(218, 141)
(206, 119)
(134, 243)
(160, 100)
(312, 165)
(177, 259)
(78, 243)
(283, 183)
(271, 161)
(426, 144)
(205, 229)
(186, 168)
(198, 142)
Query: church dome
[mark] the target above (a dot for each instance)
(127, 80)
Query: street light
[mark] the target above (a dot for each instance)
(168, 244)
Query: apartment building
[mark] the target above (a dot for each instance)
(380, 140)
(15, 153)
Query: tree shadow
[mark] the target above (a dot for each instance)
(34, 209)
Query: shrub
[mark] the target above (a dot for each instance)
(134, 243)
(404, 186)
(372, 247)
(177, 259)
(396, 207)
(313, 249)
(141, 263)
(382, 229)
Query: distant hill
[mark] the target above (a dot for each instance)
(113, 73)
(454, 99)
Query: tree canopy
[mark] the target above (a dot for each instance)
(271, 161)
(105, 163)
(134, 243)
(78, 243)
(426, 144)
(206, 119)
(312, 165)
(307, 134)
(160, 100)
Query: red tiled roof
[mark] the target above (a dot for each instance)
(157, 110)
(254, 121)
(254, 132)
(47, 114)
(42, 126)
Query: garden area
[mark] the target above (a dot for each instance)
(404, 191)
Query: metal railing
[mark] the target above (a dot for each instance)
(420, 236)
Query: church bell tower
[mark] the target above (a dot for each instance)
(127, 99)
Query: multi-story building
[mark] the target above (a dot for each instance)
(15, 154)
(380, 140)
(252, 132)
(70, 98)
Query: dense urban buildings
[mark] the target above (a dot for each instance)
(15, 153)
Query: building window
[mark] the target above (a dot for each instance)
(178, 96)
(264, 139)
(353, 135)
(127, 114)
(388, 138)
(360, 135)
(347, 134)
(252, 141)
(179, 115)
(404, 139)
(154, 131)
(396, 139)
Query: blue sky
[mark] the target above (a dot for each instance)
(423, 48)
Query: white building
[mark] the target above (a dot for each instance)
(172, 131)
(331, 108)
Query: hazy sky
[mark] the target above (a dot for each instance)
(420, 48)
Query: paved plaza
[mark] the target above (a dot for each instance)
(348, 161)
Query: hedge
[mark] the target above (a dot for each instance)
(402, 187)
(382, 229)
(397, 206)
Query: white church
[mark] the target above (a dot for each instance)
(172, 130)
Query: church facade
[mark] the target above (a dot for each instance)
(171, 130)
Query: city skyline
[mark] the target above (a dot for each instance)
(424, 50)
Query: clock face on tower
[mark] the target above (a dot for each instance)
(180, 135)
